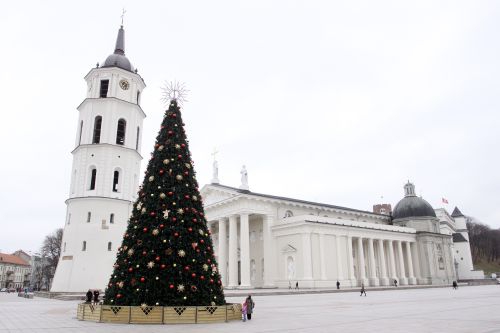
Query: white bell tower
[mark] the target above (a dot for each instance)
(105, 173)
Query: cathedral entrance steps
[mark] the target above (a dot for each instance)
(74, 296)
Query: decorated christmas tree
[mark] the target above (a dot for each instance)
(167, 256)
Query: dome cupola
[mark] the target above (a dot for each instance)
(412, 206)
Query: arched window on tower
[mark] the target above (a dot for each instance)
(93, 176)
(137, 139)
(109, 246)
(112, 218)
(96, 138)
(84, 246)
(120, 132)
(116, 179)
(81, 130)
(138, 96)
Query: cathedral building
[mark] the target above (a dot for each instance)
(261, 240)
(270, 241)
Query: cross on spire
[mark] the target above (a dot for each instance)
(123, 14)
(215, 152)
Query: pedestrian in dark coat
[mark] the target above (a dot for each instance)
(363, 291)
(297, 285)
(455, 285)
(395, 283)
(88, 296)
(250, 305)
(96, 296)
(338, 284)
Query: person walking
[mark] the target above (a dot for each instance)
(338, 284)
(250, 305)
(88, 296)
(363, 291)
(96, 296)
(244, 309)
(455, 285)
(297, 285)
(395, 283)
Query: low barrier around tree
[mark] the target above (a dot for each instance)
(158, 314)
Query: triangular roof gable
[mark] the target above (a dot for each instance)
(212, 194)
(457, 213)
(232, 192)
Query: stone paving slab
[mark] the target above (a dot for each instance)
(469, 309)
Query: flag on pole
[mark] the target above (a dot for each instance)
(445, 201)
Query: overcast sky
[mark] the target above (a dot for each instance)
(328, 101)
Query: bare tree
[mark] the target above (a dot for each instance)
(50, 251)
(484, 242)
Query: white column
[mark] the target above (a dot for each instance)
(371, 256)
(223, 251)
(322, 256)
(233, 252)
(307, 257)
(244, 250)
(411, 276)
(416, 261)
(384, 280)
(350, 263)
(340, 274)
(361, 261)
(392, 261)
(402, 278)
(269, 255)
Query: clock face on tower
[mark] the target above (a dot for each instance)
(124, 84)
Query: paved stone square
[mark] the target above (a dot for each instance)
(468, 309)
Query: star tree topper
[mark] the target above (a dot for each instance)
(174, 90)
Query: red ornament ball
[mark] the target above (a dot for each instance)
(130, 270)
(186, 196)
(193, 275)
(211, 281)
(179, 157)
(157, 258)
(190, 229)
(183, 145)
(176, 234)
(145, 229)
(118, 295)
(186, 268)
(171, 286)
(186, 173)
(174, 219)
(202, 277)
(152, 213)
(170, 133)
(163, 266)
(170, 193)
(202, 241)
(161, 171)
(143, 279)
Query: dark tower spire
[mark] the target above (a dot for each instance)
(120, 42)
